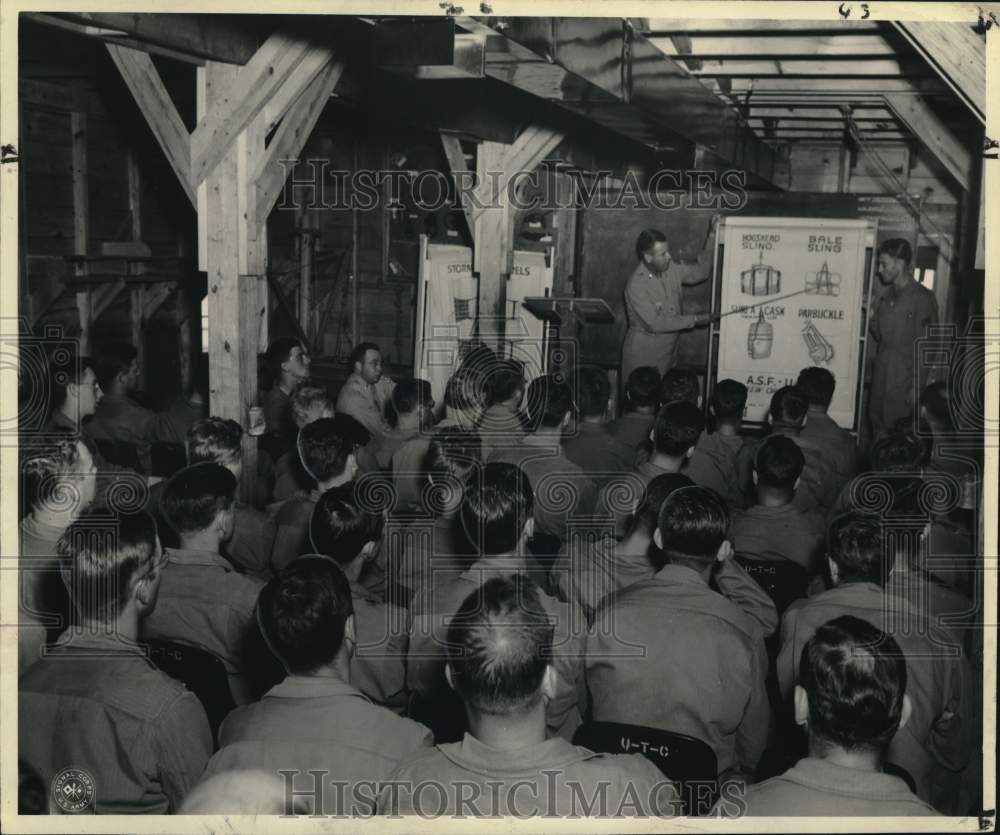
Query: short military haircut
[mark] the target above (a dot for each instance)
(900, 452)
(66, 373)
(215, 439)
(359, 352)
(307, 399)
(693, 522)
(465, 391)
(194, 496)
(549, 399)
(592, 390)
(854, 676)
(779, 462)
(112, 359)
(323, 449)
(729, 399)
(499, 644)
(789, 406)
(854, 544)
(648, 238)
(102, 557)
(47, 472)
(408, 396)
(278, 353)
(495, 508)
(677, 428)
(643, 387)
(302, 613)
(504, 381)
(454, 453)
(896, 248)
(341, 525)
(818, 385)
(680, 384)
(648, 513)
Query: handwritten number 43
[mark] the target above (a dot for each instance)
(846, 9)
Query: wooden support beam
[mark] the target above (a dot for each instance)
(81, 212)
(155, 296)
(103, 296)
(154, 101)
(934, 135)
(137, 296)
(957, 54)
(460, 170)
(242, 99)
(291, 136)
(300, 78)
(492, 243)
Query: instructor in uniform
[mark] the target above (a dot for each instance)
(655, 310)
(902, 317)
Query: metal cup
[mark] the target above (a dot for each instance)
(258, 426)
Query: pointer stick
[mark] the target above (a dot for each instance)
(775, 299)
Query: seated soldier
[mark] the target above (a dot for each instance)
(502, 425)
(786, 416)
(642, 397)
(898, 456)
(204, 602)
(220, 441)
(434, 540)
(328, 458)
(316, 719)
(367, 391)
(95, 701)
(818, 385)
(937, 742)
(342, 529)
(309, 402)
(58, 481)
(677, 385)
(560, 488)
(713, 462)
(402, 446)
(287, 362)
(118, 418)
(671, 653)
(500, 646)
(464, 399)
(586, 574)
(674, 436)
(497, 516)
(773, 528)
(591, 446)
(851, 698)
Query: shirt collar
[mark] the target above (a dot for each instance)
(680, 575)
(84, 641)
(474, 755)
(313, 687)
(823, 774)
(186, 556)
(30, 526)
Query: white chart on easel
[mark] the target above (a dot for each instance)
(446, 311)
(794, 288)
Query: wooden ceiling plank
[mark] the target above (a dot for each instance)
(243, 99)
(708, 47)
(150, 94)
(291, 136)
(730, 26)
(934, 134)
(957, 54)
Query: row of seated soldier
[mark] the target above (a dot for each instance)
(515, 608)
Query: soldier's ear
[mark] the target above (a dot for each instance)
(801, 703)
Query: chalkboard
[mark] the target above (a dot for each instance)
(792, 292)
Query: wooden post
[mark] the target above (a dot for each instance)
(81, 213)
(233, 242)
(492, 244)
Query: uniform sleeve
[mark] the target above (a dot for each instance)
(752, 734)
(787, 661)
(184, 743)
(643, 301)
(252, 542)
(745, 592)
(289, 534)
(954, 731)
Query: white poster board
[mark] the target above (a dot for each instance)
(447, 300)
(794, 292)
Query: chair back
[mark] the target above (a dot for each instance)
(784, 581)
(202, 672)
(688, 762)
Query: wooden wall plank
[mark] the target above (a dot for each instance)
(931, 132)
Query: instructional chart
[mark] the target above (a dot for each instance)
(792, 294)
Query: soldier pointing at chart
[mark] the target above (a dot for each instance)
(653, 301)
